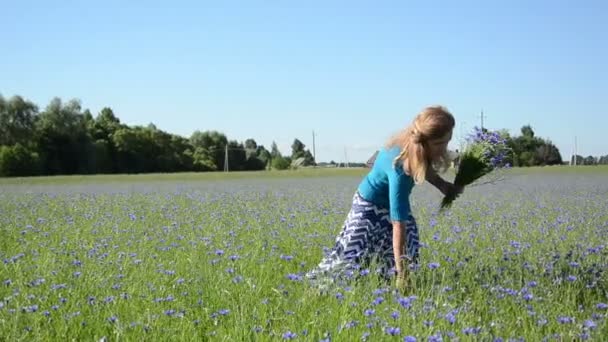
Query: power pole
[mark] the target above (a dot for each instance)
(226, 160)
(575, 151)
(481, 116)
(346, 157)
(314, 155)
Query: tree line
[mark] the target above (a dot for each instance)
(65, 139)
(531, 150)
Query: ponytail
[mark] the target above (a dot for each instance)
(431, 123)
(413, 156)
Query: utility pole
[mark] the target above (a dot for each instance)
(314, 155)
(346, 157)
(226, 159)
(575, 151)
(481, 116)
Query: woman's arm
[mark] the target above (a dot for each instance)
(398, 246)
(444, 186)
(433, 178)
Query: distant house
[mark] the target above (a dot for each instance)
(454, 157)
(371, 160)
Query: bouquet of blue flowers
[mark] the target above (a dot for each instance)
(485, 152)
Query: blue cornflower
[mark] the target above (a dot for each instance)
(393, 331)
(471, 331)
(378, 301)
(590, 324)
(294, 277)
(289, 335)
(450, 317)
(286, 257)
(435, 338)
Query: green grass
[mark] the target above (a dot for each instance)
(187, 176)
(162, 264)
(257, 175)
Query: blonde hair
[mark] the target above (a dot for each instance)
(431, 123)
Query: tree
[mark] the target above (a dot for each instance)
(578, 160)
(63, 140)
(297, 149)
(250, 144)
(529, 150)
(590, 160)
(264, 156)
(280, 163)
(17, 117)
(548, 154)
(237, 156)
(527, 131)
(212, 146)
(101, 130)
(17, 160)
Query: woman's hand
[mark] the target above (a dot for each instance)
(442, 185)
(403, 283)
(449, 188)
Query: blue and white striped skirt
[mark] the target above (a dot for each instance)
(366, 239)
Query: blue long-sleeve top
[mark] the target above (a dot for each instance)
(387, 185)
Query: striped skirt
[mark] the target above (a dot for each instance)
(366, 239)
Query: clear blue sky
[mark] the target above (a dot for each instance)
(354, 71)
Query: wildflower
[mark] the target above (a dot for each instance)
(294, 277)
(590, 324)
(289, 335)
(393, 331)
(485, 152)
(450, 317)
(471, 331)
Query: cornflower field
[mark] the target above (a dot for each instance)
(222, 258)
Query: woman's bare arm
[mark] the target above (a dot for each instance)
(433, 178)
(398, 246)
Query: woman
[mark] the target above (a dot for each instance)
(380, 223)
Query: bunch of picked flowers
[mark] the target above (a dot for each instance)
(484, 153)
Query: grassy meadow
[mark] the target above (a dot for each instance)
(220, 257)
